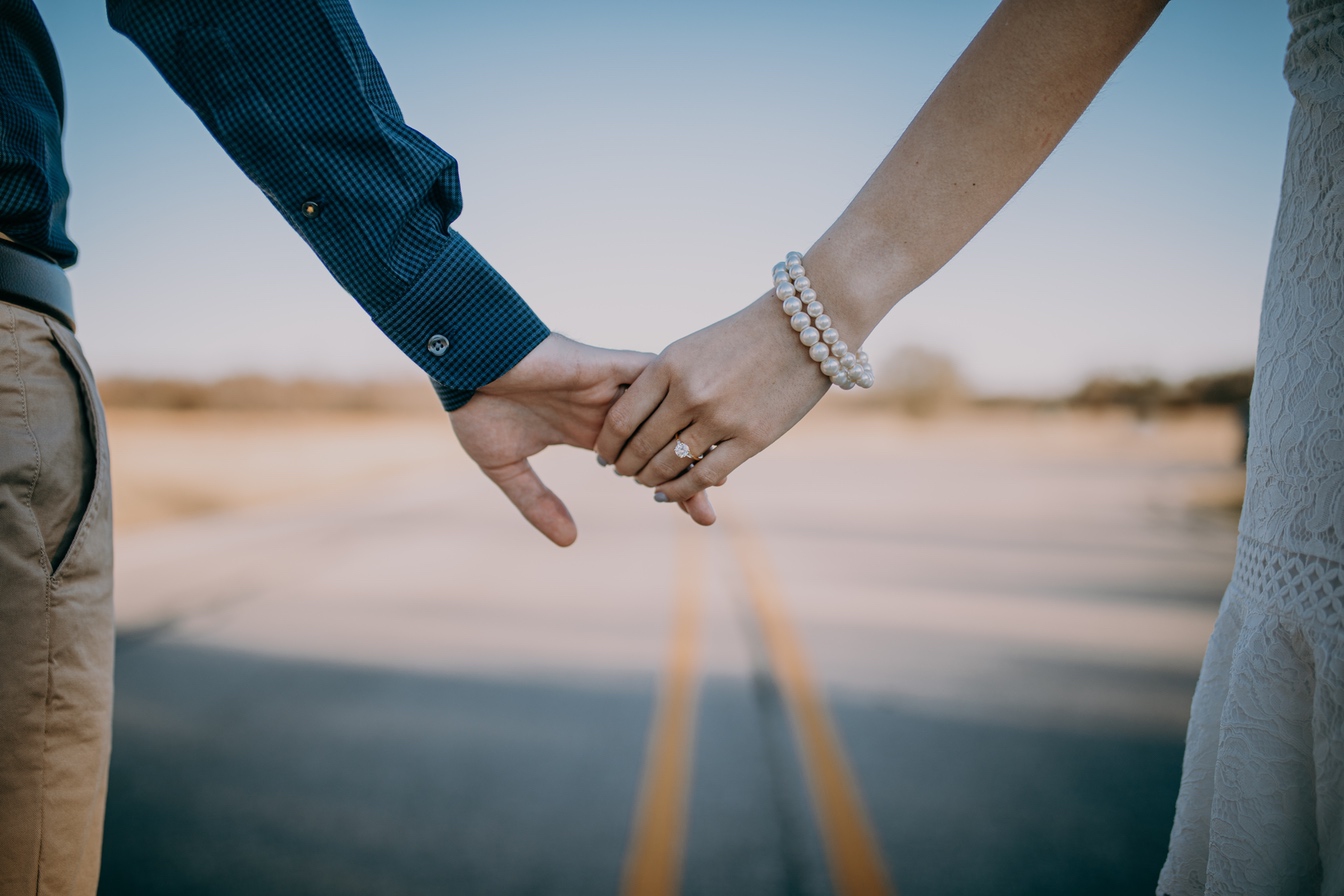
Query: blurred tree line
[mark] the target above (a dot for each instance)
(261, 393)
(1149, 394)
(920, 382)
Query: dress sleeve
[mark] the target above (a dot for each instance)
(296, 98)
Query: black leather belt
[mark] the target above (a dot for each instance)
(35, 283)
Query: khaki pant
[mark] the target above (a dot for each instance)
(56, 631)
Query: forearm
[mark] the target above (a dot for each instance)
(294, 95)
(995, 117)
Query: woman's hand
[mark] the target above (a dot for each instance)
(558, 395)
(739, 384)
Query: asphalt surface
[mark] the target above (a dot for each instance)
(405, 691)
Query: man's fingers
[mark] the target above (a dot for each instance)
(699, 516)
(700, 509)
(629, 365)
(538, 504)
(629, 411)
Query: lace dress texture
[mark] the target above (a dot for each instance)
(1261, 804)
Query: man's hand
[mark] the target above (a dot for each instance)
(558, 395)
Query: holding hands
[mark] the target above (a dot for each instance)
(678, 423)
(738, 384)
(721, 395)
(558, 395)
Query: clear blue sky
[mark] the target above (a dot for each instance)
(624, 166)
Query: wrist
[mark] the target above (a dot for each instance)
(859, 280)
(843, 365)
(530, 368)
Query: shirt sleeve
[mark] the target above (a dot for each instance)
(295, 96)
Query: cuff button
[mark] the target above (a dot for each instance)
(311, 209)
(438, 345)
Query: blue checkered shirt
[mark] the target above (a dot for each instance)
(294, 95)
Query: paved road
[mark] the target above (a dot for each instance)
(949, 666)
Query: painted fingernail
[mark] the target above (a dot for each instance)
(601, 462)
(660, 497)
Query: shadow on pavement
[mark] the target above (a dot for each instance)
(241, 774)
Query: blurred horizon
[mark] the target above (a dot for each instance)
(918, 381)
(625, 168)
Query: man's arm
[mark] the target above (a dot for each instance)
(296, 98)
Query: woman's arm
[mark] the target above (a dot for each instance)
(997, 114)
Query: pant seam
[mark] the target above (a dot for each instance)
(46, 589)
(46, 725)
(32, 438)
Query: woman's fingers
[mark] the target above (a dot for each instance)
(658, 431)
(707, 473)
(630, 410)
(666, 465)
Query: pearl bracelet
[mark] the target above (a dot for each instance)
(808, 318)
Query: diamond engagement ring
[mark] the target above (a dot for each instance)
(682, 450)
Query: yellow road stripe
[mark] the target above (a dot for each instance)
(653, 862)
(851, 849)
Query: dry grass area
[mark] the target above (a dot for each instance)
(168, 465)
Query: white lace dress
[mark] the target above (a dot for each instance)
(1261, 805)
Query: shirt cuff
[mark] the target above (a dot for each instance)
(462, 323)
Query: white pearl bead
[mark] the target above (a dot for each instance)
(839, 348)
(823, 320)
(800, 321)
(802, 283)
(796, 271)
(849, 361)
(781, 277)
(780, 268)
(830, 366)
(863, 357)
(806, 294)
(847, 385)
(866, 381)
(783, 291)
(792, 305)
(810, 336)
(819, 352)
(841, 380)
(830, 335)
(794, 258)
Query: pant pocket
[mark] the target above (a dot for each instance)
(61, 413)
(92, 520)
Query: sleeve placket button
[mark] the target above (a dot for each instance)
(311, 208)
(438, 345)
